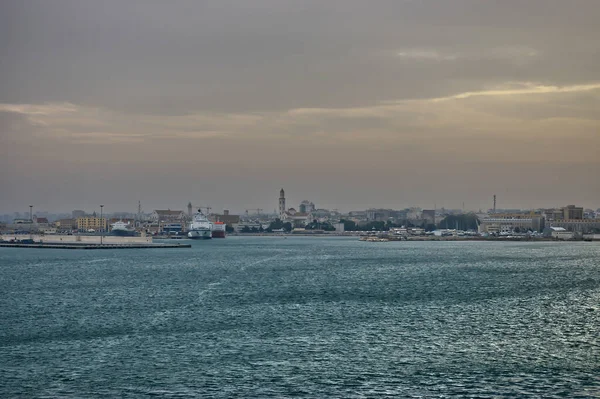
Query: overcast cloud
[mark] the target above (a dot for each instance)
(346, 103)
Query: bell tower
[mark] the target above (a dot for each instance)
(281, 203)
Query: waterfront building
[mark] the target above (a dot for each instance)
(578, 225)
(95, 223)
(559, 233)
(510, 222)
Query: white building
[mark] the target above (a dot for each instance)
(508, 223)
(560, 233)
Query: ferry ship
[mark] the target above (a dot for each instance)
(122, 229)
(200, 227)
(218, 230)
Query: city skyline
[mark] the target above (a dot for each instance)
(95, 208)
(347, 104)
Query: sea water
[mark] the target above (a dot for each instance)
(302, 317)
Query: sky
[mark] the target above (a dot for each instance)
(349, 104)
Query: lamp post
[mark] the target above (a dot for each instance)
(101, 224)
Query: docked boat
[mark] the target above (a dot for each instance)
(200, 227)
(218, 230)
(122, 229)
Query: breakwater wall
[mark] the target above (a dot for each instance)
(75, 239)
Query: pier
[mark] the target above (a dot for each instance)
(83, 242)
(91, 246)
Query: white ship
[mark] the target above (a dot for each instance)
(200, 227)
(121, 228)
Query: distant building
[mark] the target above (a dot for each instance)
(66, 224)
(40, 221)
(553, 214)
(168, 216)
(339, 227)
(169, 221)
(572, 212)
(87, 223)
(428, 216)
(306, 207)
(508, 223)
(297, 219)
(559, 233)
(357, 215)
(379, 214)
(77, 214)
(226, 218)
(578, 225)
(248, 226)
(22, 221)
(321, 214)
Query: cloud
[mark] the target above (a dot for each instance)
(429, 125)
(426, 55)
(518, 54)
(522, 89)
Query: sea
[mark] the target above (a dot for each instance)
(314, 317)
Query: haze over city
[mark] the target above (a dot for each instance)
(350, 104)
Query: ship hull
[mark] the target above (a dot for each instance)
(123, 233)
(218, 230)
(218, 234)
(200, 234)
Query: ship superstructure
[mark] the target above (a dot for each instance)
(200, 227)
(121, 228)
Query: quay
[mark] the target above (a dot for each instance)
(91, 246)
(83, 242)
